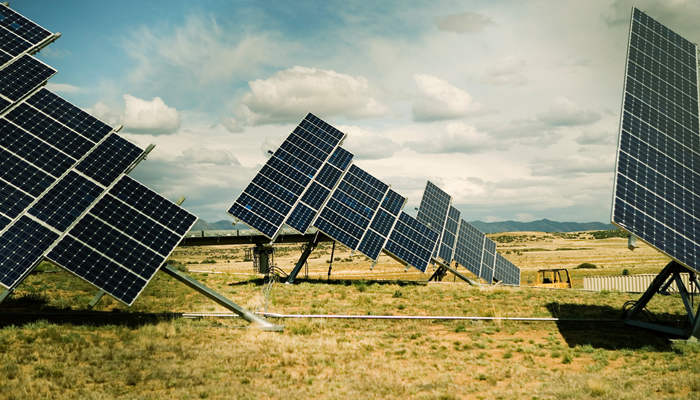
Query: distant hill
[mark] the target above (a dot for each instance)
(542, 225)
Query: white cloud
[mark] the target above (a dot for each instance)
(368, 145)
(62, 87)
(508, 71)
(151, 117)
(438, 99)
(289, 94)
(454, 137)
(205, 155)
(466, 22)
(565, 112)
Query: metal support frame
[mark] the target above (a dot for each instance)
(671, 273)
(310, 246)
(5, 294)
(98, 296)
(442, 270)
(330, 265)
(218, 298)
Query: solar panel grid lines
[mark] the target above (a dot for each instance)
(381, 226)
(411, 242)
(286, 177)
(21, 247)
(49, 130)
(22, 26)
(657, 164)
(469, 247)
(449, 235)
(34, 150)
(12, 44)
(304, 214)
(433, 210)
(372, 245)
(109, 159)
(23, 76)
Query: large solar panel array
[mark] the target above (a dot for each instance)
(64, 194)
(462, 242)
(658, 160)
(338, 198)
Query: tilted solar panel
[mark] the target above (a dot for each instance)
(433, 210)
(267, 203)
(63, 192)
(657, 176)
(449, 235)
(412, 242)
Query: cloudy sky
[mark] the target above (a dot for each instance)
(511, 106)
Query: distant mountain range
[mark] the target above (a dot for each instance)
(542, 225)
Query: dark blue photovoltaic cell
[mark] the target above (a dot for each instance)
(22, 174)
(449, 235)
(315, 195)
(22, 26)
(433, 209)
(109, 160)
(50, 131)
(469, 247)
(658, 162)
(117, 246)
(135, 224)
(326, 128)
(12, 200)
(66, 201)
(3, 104)
(412, 242)
(69, 115)
(488, 260)
(338, 217)
(371, 244)
(506, 272)
(96, 269)
(4, 57)
(340, 158)
(286, 176)
(329, 176)
(382, 222)
(393, 202)
(245, 215)
(362, 180)
(11, 43)
(332, 229)
(153, 205)
(21, 246)
(4, 221)
(23, 76)
(301, 217)
(33, 150)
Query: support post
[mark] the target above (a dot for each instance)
(5, 294)
(218, 298)
(330, 265)
(670, 273)
(98, 296)
(452, 270)
(302, 259)
(439, 274)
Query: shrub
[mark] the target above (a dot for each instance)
(625, 272)
(586, 266)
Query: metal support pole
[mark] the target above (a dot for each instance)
(5, 294)
(330, 265)
(302, 259)
(685, 297)
(439, 273)
(452, 270)
(96, 299)
(218, 298)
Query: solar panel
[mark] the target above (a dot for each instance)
(63, 192)
(23, 76)
(449, 235)
(469, 247)
(22, 26)
(320, 189)
(658, 159)
(433, 209)
(270, 199)
(412, 242)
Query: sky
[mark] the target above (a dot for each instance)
(512, 107)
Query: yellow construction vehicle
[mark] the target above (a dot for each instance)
(553, 278)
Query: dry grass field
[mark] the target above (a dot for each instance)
(147, 351)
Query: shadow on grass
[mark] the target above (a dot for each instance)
(610, 335)
(18, 311)
(341, 282)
